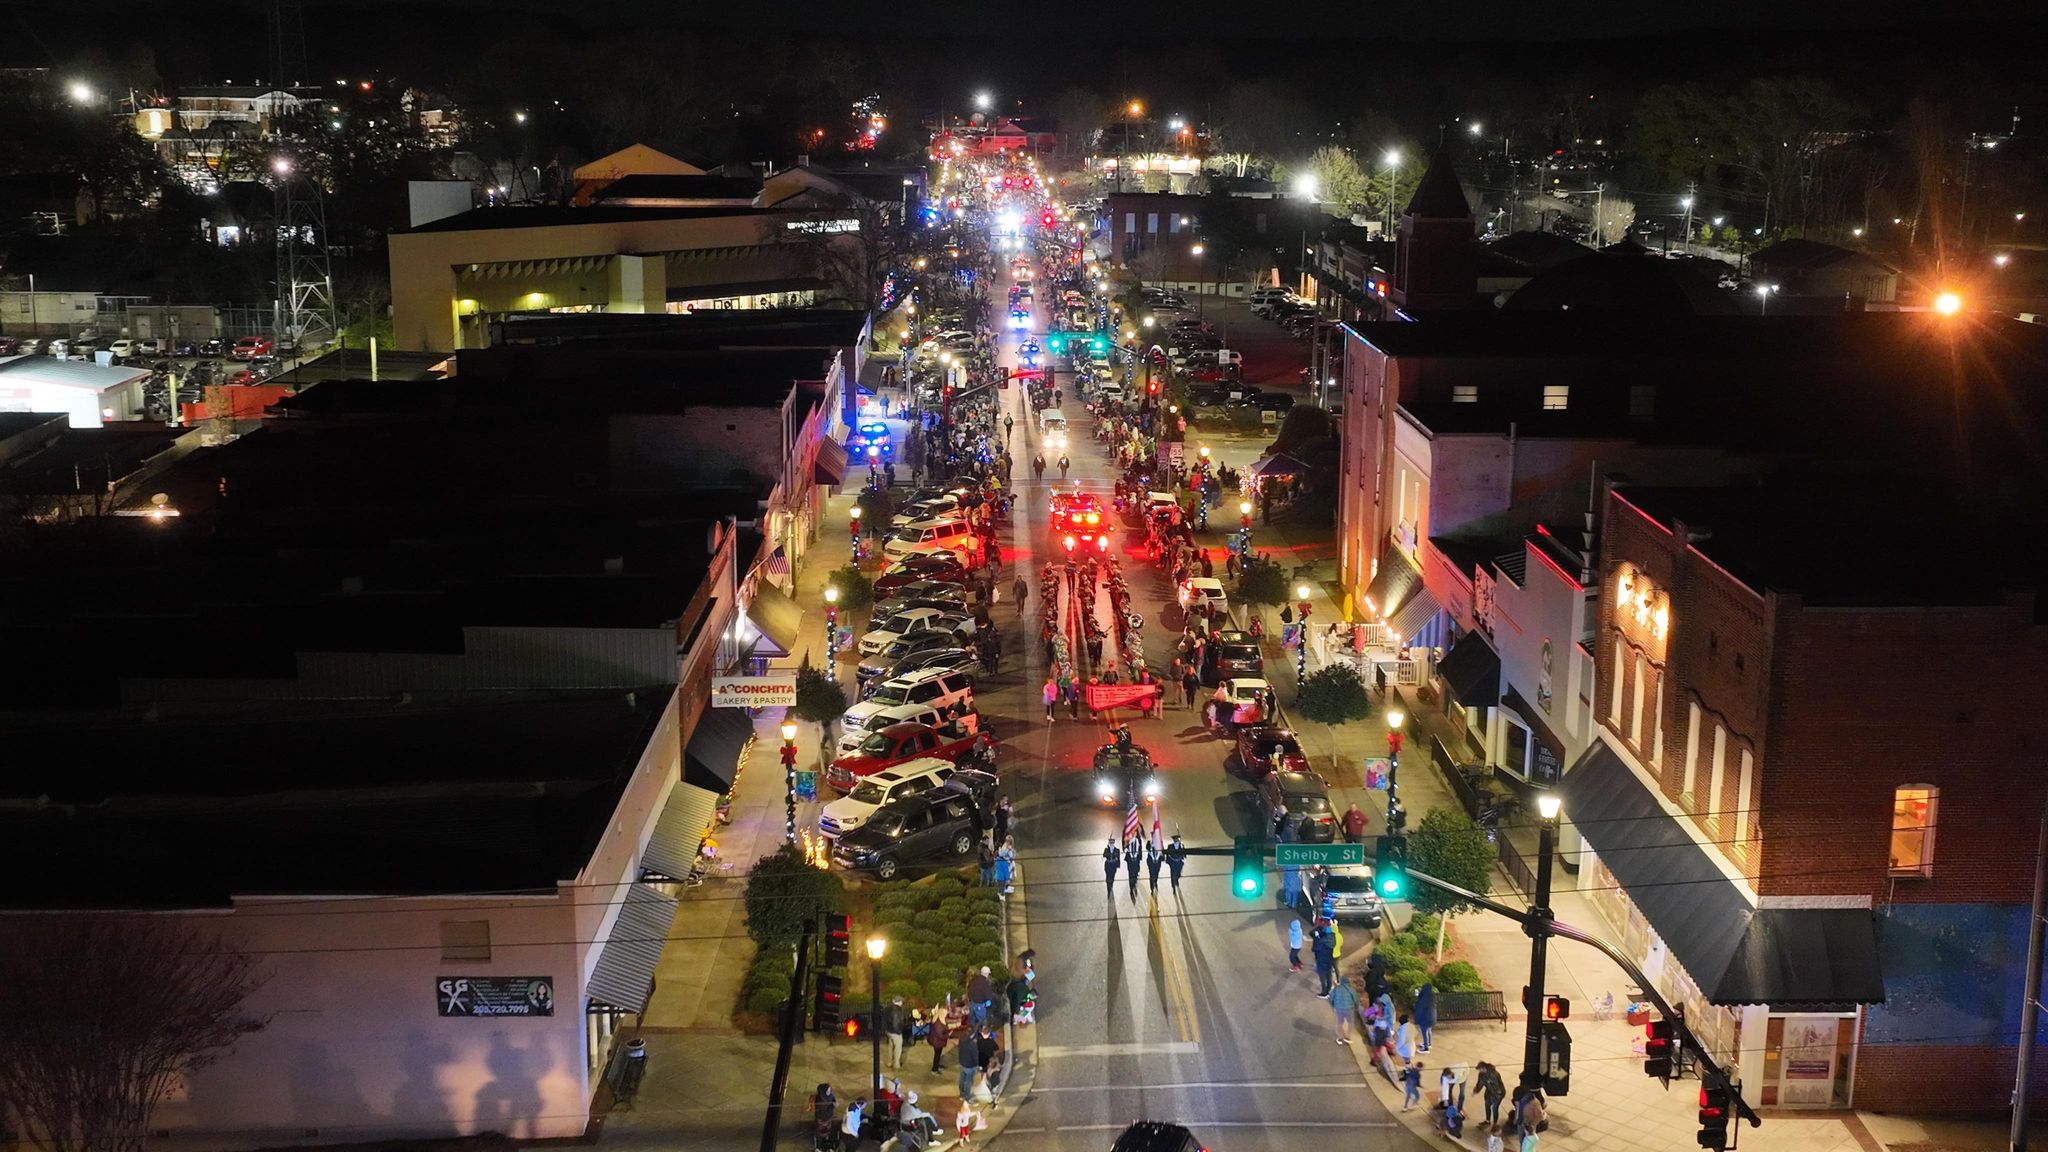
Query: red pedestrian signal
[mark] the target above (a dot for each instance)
(1556, 1008)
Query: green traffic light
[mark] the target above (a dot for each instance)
(1247, 884)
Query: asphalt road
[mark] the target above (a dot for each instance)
(1167, 1006)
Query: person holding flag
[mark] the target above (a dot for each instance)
(1155, 850)
(1134, 850)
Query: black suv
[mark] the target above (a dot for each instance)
(938, 823)
(909, 644)
(1307, 799)
(1233, 654)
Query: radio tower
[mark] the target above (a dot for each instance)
(305, 281)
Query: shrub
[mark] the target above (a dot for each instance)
(910, 990)
(935, 971)
(1458, 976)
(1261, 582)
(936, 991)
(856, 591)
(929, 921)
(766, 999)
(954, 909)
(1423, 927)
(1332, 695)
(1404, 975)
(784, 894)
(1397, 945)
(989, 956)
(940, 888)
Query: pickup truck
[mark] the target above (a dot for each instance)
(900, 742)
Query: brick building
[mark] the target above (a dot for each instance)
(1804, 812)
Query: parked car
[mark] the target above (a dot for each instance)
(907, 779)
(59, 348)
(1231, 652)
(951, 659)
(887, 747)
(250, 347)
(910, 569)
(930, 537)
(929, 690)
(185, 348)
(1262, 748)
(934, 824)
(265, 366)
(905, 595)
(944, 619)
(1309, 817)
(1204, 592)
(29, 346)
(1239, 701)
(122, 349)
(212, 346)
(897, 605)
(884, 663)
(1343, 892)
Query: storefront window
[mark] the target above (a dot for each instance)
(1913, 829)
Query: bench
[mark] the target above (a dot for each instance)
(1472, 1006)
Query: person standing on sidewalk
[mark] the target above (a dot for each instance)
(988, 864)
(1006, 863)
(1425, 1013)
(1405, 1037)
(968, 1053)
(1354, 825)
(1492, 1090)
(1294, 946)
(1002, 820)
(894, 1024)
(936, 1036)
(1344, 1002)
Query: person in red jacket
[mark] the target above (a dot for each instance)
(1354, 825)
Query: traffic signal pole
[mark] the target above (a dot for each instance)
(790, 1025)
(1555, 927)
(1537, 923)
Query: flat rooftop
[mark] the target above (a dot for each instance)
(557, 216)
(504, 794)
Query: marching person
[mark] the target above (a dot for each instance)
(1111, 860)
(1133, 852)
(1176, 858)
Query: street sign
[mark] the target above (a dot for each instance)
(1327, 855)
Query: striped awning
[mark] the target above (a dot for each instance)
(624, 976)
(679, 832)
(1414, 616)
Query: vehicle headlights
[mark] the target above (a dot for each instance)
(1151, 789)
(1107, 791)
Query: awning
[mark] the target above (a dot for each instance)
(712, 757)
(1278, 464)
(1737, 954)
(1415, 615)
(624, 976)
(1396, 580)
(830, 465)
(679, 831)
(778, 619)
(1472, 670)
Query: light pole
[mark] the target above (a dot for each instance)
(832, 632)
(1301, 636)
(1686, 203)
(1763, 298)
(1244, 532)
(789, 780)
(1395, 818)
(853, 526)
(1538, 928)
(1393, 162)
(1202, 288)
(878, 946)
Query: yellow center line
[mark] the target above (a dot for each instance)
(1178, 990)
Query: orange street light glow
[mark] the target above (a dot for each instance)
(1948, 303)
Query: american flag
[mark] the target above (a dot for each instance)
(1132, 823)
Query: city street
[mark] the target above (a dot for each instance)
(1171, 1006)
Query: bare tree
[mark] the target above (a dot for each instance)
(854, 243)
(105, 1015)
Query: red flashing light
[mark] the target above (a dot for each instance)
(1102, 543)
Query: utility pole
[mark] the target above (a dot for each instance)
(2030, 1003)
(790, 1026)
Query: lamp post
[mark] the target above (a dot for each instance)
(832, 632)
(1395, 818)
(1301, 635)
(1393, 162)
(1538, 927)
(853, 526)
(1244, 531)
(878, 946)
(1763, 298)
(1202, 287)
(789, 780)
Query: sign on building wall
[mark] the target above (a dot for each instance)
(753, 691)
(495, 995)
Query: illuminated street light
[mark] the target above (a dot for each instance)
(519, 117)
(2002, 259)
(1197, 250)
(1474, 128)
(81, 92)
(1548, 805)
(1136, 108)
(281, 166)
(1306, 187)
(1948, 303)
(1392, 157)
(984, 101)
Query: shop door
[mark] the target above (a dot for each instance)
(1807, 1061)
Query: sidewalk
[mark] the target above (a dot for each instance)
(707, 1084)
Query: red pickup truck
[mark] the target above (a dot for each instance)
(908, 741)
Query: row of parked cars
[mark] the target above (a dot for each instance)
(126, 350)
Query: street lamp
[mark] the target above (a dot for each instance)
(1244, 531)
(80, 92)
(853, 527)
(1548, 805)
(1395, 818)
(1948, 303)
(1392, 158)
(1763, 297)
(1474, 128)
(878, 946)
(832, 632)
(1301, 636)
(1307, 186)
(789, 780)
(983, 101)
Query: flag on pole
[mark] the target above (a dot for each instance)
(1158, 839)
(1132, 823)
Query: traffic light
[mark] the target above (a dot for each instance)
(1556, 1008)
(1390, 867)
(1660, 1040)
(1056, 340)
(1152, 387)
(825, 1006)
(1716, 1113)
(838, 933)
(1248, 868)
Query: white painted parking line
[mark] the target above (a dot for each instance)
(1170, 1048)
